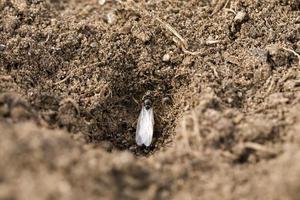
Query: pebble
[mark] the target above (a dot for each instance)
(240, 16)
(132, 148)
(166, 57)
(111, 18)
(2, 47)
(101, 2)
(143, 36)
(94, 44)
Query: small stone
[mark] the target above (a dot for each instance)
(277, 56)
(230, 100)
(132, 148)
(240, 94)
(111, 18)
(187, 61)
(240, 16)
(166, 58)
(143, 36)
(101, 2)
(94, 44)
(2, 47)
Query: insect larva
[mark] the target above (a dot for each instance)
(145, 124)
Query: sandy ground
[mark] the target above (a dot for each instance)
(224, 78)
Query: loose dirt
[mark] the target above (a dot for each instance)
(223, 76)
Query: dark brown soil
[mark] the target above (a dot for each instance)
(73, 74)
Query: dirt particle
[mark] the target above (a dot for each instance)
(240, 17)
(236, 24)
(11, 23)
(101, 2)
(143, 36)
(2, 47)
(187, 61)
(19, 4)
(111, 17)
(290, 85)
(166, 58)
(94, 44)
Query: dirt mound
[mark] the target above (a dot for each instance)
(223, 77)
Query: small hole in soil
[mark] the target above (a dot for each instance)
(118, 126)
(243, 158)
(114, 118)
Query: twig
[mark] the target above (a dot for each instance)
(170, 28)
(259, 147)
(72, 71)
(136, 101)
(182, 41)
(270, 86)
(226, 3)
(209, 42)
(230, 10)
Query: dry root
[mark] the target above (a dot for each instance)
(259, 147)
(73, 71)
(181, 41)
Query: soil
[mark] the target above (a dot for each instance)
(223, 76)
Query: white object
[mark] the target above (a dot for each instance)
(101, 2)
(111, 17)
(145, 124)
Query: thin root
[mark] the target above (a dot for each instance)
(209, 42)
(226, 3)
(72, 73)
(259, 147)
(182, 42)
(270, 86)
(172, 30)
(136, 101)
(193, 53)
(230, 10)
